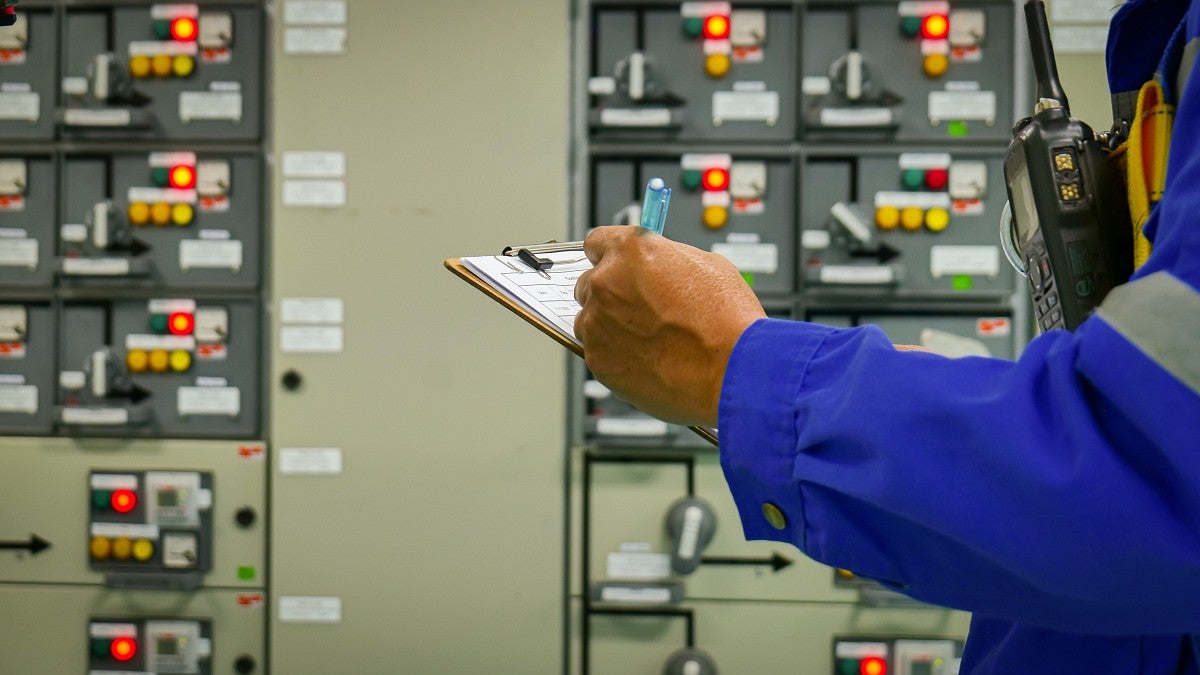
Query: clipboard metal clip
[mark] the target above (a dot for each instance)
(531, 254)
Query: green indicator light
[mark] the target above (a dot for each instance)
(749, 277)
(158, 174)
(961, 282)
(693, 26)
(99, 647)
(910, 26)
(691, 180)
(246, 572)
(848, 666)
(158, 323)
(162, 29)
(100, 499)
(958, 129)
(912, 179)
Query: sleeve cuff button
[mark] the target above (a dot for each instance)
(774, 516)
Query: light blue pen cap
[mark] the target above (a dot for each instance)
(654, 206)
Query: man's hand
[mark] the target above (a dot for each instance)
(659, 321)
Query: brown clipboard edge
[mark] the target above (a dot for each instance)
(460, 270)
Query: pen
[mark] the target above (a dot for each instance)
(654, 205)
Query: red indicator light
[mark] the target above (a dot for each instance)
(872, 665)
(182, 177)
(181, 323)
(184, 29)
(123, 501)
(716, 27)
(715, 180)
(123, 648)
(936, 179)
(935, 27)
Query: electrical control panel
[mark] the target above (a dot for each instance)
(27, 333)
(897, 656)
(167, 367)
(699, 71)
(907, 224)
(28, 61)
(27, 212)
(121, 645)
(946, 334)
(907, 71)
(163, 71)
(161, 219)
(151, 527)
(741, 206)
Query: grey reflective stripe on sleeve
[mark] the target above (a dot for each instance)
(1185, 67)
(1161, 316)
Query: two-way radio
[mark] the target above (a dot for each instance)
(1067, 225)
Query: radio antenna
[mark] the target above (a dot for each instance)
(1044, 67)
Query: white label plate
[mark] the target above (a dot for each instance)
(631, 426)
(20, 106)
(209, 401)
(19, 398)
(638, 565)
(973, 260)
(76, 415)
(309, 609)
(312, 310)
(761, 106)
(314, 40)
(855, 117)
(962, 105)
(330, 193)
(314, 12)
(311, 339)
(762, 258)
(310, 461)
(635, 117)
(113, 481)
(207, 253)
(1080, 39)
(19, 252)
(635, 595)
(152, 342)
(104, 117)
(856, 274)
(131, 530)
(314, 165)
(210, 105)
(921, 200)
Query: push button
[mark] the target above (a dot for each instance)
(717, 65)
(774, 516)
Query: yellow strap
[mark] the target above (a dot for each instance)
(1144, 158)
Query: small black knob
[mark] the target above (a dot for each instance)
(291, 380)
(245, 516)
(244, 664)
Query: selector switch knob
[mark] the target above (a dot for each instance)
(691, 523)
(690, 661)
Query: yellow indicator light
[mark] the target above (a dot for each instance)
(715, 217)
(887, 217)
(1069, 192)
(139, 66)
(99, 548)
(912, 218)
(139, 213)
(717, 65)
(936, 219)
(161, 65)
(137, 360)
(159, 360)
(1063, 161)
(182, 214)
(160, 213)
(181, 360)
(143, 550)
(183, 65)
(122, 548)
(935, 65)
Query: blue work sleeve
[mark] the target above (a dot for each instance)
(1059, 490)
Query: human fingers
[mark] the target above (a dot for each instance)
(583, 287)
(602, 240)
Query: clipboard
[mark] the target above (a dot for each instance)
(559, 263)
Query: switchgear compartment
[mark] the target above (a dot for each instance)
(880, 655)
(27, 213)
(161, 219)
(741, 206)
(150, 528)
(80, 629)
(947, 334)
(163, 71)
(910, 224)
(913, 71)
(27, 333)
(28, 62)
(165, 367)
(699, 71)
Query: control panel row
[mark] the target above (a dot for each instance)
(705, 71)
(155, 71)
(162, 367)
(178, 219)
(916, 225)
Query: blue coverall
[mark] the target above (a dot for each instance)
(1057, 497)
